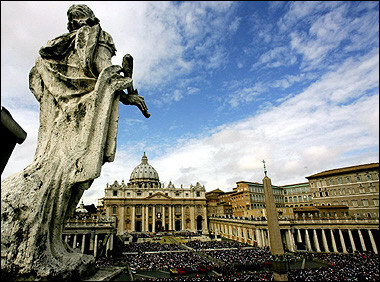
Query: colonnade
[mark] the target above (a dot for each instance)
(159, 217)
(89, 243)
(344, 238)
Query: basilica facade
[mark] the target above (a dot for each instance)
(144, 204)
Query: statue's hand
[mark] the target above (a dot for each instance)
(136, 100)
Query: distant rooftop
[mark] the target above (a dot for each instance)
(345, 170)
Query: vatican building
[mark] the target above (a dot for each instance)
(144, 204)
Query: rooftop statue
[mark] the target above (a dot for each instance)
(79, 91)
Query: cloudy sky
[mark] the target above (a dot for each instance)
(228, 84)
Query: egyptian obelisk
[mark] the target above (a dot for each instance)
(276, 247)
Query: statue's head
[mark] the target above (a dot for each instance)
(80, 15)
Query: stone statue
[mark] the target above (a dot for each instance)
(79, 91)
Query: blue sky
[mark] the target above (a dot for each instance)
(228, 84)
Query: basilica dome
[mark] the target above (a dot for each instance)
(144, 171)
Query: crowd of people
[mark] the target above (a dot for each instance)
(205, 245)
(151, 247)
(360, 266)
(189, 261)
(234, 261)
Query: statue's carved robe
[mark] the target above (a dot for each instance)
(77, 134)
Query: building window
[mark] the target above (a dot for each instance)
(339, 180)
(342, 191)
(369, 177)
(361, 189)
(128, 194)
(354, 203)
(358, 178)
(114, 209)
(198, 194)
(348, 179)
(138, 193)
(376, 202)
(114, 192)
(365, 202)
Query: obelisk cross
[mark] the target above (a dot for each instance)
(265, 169)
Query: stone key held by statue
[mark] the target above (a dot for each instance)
(127, 66)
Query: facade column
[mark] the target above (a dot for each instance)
(122, 219)
(171, 217)
(163, 217)
(83, 242)
(204, 217)
(258, 238)
(146, 218)
(154, 218)
(182, 217)
(142, 218)
(353, 246)
(333, 241)
(192, 218)
(245, 235)
(67, 239)
(324, 242)
(342, 241)
(373, 243)
(230, 230)
(133, 218)
(316, 243)
(307, 240)
(362, 240)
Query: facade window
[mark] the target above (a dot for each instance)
(358, 178)
(128, 194)
(354, 203)
(138, 193)
(342, 191)
(115, 192)
(361, 189)
(365, 202)
(348, 179)
(114, 209)
(198, 194)
(369, 177)
(345, 202)
(339, 180)
(376, 202)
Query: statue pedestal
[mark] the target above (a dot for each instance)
(280, 270)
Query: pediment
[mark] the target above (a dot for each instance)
(159, 196)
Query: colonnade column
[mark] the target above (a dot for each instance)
(373, 243)
(75, 241)
(324, 241)
(316, 243)
(352, 241)
(362, 240)
(342, 241)
(122, 219)
(307, 238)
(290, 240)
(333, 241)
(83, 242)
(96, 245)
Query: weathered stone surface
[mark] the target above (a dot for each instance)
(79, 92)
